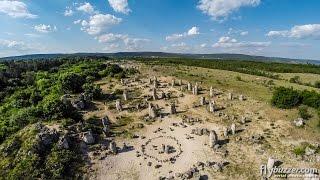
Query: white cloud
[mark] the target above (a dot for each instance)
(221, 9)
(16, 45)
(134, 43)
(129, 43)
(86, 7)
(42, 28)
(68, 12)
(109, 38)
(311, 31)
(77, 21)
(15, 9)
(120, 6)
(227, 42)
(203, 45)
(111, 47)
(99, 23)
(191, 32)
(244, 33)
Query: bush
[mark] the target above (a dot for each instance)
(303, 112)
(71, 82)
(295, 79)
(286, 98)
(317, 84)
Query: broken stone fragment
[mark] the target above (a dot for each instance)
(88, 137)
(299, 122)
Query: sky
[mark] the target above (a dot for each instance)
(278, 28)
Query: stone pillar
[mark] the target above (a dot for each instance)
(225, 132)
(154, 94)
(243, 119)
(172, 82)
(150, 81)
(125, 95)
(152, 111)
(211, 92)
(163, 95)
(189, 86)
(106, 125)
(118, 105)
(233, 129)
(211, 107)
(180, 82)
(202, 101)
(230, 96)
(121, 81)
(173, 109)
(155, 84)
(241, 97)
(113, 147)
(213, 138)
(195, 90)
(155, 79)
(166, 149)
(270, 163)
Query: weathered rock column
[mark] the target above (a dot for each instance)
(233, 129)
(106, 125)
(173, 109)
(125, 95)
(189, 86)
(118, 105)
(213, 138)
(152, 111)
(241, 98)
(202, 101)
(154, 94)
(211, 93)
(225, 132)
(180, 82)
(113, 147)
(230, 96)
(155, 84)
(211, 107)
(195, 90)
(172, 82)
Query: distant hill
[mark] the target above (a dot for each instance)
(163, 54)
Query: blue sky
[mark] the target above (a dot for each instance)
(284, 28)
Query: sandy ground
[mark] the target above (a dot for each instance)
(244, 155)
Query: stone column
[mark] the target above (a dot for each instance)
(172, 82)
(125, 95)
(118, 105)
(202, 101)
(154, 94)
(180, 82)
(241, 97)
(213, 138)
(189, 86)
(113, 147)
(233, 128)
(211, 92)
(150, 81)
(211, 107)
(195, 90)
(225, 132)
(173, 109)
(121, 81)
(230, 96)
(152, 111)
(155, 84)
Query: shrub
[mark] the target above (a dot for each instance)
(286, 98)
(295, 79)
(317, 84)
(303, 112)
